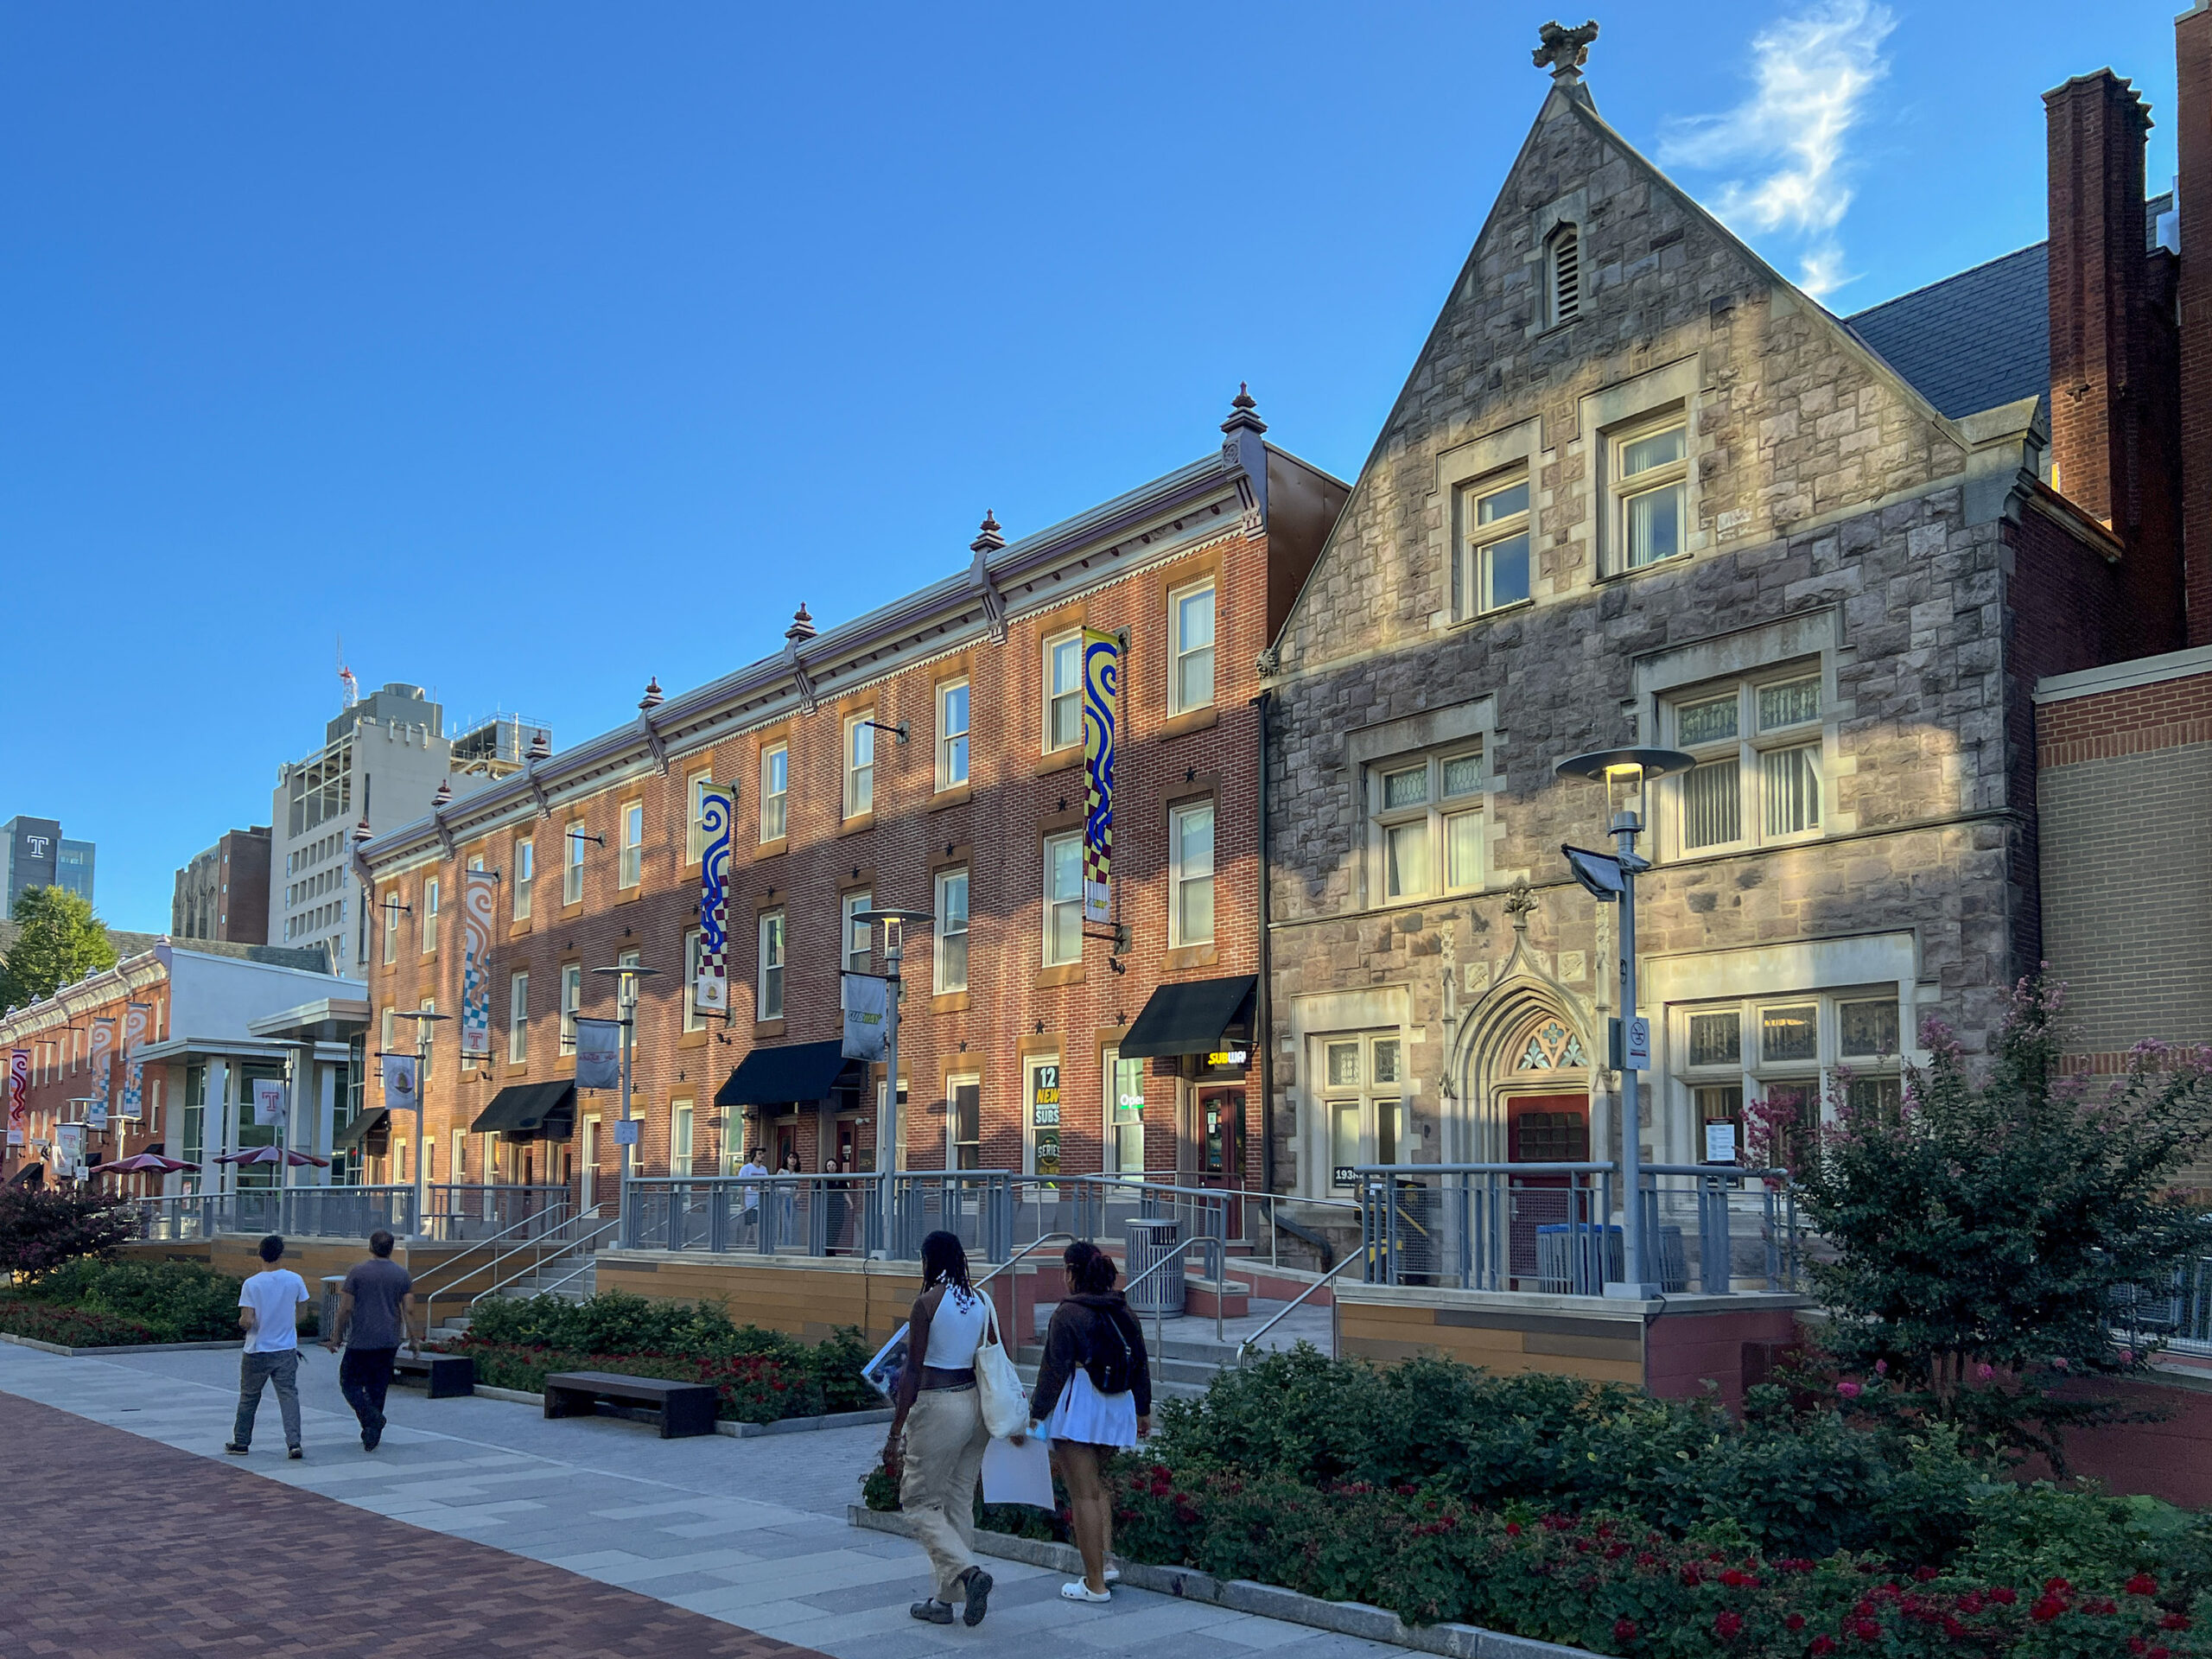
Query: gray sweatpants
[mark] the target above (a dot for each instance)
(281, 1368)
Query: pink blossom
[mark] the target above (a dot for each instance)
(1881, 1368)
(1849, 1390)
(1985, 1370)
(2128, 1356)
(2058, 1363)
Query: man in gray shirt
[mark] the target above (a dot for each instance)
(372, 1308)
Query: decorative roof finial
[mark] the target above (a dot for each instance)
(1242, 412)
(1565, 51)
(541, 746)
(652, 699)
(988, 540)
(443, 796)
(802, 626)
(1519, 901)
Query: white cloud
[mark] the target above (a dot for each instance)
(1811, 75)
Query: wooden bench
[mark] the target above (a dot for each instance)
(448, 1377)
(685, 1408)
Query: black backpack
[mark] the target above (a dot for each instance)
(1111, 1366)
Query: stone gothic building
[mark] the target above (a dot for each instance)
(1640, 489)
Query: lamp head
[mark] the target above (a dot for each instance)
(1625, 774)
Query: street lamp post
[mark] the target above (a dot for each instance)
(625, 1000)
(888, 1126)
(422, 1019)
(1610, 878)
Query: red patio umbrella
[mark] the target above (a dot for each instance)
(142, 1163)
(273, 1155)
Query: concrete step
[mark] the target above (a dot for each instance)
(1163, 1388)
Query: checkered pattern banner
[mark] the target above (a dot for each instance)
(710, 981)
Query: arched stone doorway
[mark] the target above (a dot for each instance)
(1522, 1076)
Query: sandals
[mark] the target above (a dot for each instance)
(933, 1611)
(979, 1598)
(1077, 1590)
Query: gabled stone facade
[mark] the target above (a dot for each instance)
(1885, 582)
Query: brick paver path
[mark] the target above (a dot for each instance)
(114, 1547)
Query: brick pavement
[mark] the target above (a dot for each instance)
(114, 1546)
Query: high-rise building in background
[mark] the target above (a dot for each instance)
(382, 762)
(38, 856)
(224, 892)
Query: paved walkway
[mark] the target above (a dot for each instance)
(748, 1533)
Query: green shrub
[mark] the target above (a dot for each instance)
(70, 1327)
(180, 1301)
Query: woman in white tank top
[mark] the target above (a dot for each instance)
(935, 1450)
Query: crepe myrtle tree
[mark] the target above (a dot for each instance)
(42, 1229)
(1983, 1243)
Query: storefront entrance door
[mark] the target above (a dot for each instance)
(1221, 1147)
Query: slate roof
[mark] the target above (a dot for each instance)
(1981, 338)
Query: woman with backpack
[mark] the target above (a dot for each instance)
(1093, 1398)
(935, 1449)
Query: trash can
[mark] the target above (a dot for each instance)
(1149, 1240)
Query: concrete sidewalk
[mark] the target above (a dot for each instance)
(749, 1532)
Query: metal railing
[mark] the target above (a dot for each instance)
(590, 1230)
(1174, 1253)
(452, 1214)
(2179, 1315)
(1284, 1312)
(456, 1212)
(528, 1233)
(765, 1214)
(1555, 1228)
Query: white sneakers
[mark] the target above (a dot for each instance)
(1077, 1590)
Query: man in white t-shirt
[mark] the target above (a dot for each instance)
(268, 1313)
(751, 1168)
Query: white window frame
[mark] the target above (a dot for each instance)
(942, 978)
(1183, 874)
(1367, 1103)
(630, 834)
(775, 791)
(859, 754)
(430, 887)
(1748, 748)
(1471, 590)
(526, 876)
(1623, 492)
(954, 761)
(1181, 648)
(390, 905)
(1440, 812)
(1060, 914)
(693, 1020)
(1114, 1126)
(1564, 282)
(519, 1017)
(953, 1144)
(572, 862)
(695, 828)
(855, 939)
(1752, 1075)
(572, 1001)
(682, 1126)
(1059, 699)
(771, 930)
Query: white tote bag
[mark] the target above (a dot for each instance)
(998, 1385)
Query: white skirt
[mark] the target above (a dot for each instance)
(1089, 1417)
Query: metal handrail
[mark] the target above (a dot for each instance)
(1042, 1238)
(573, 1273)
(1244, 1346)
(600, 1231)
(498, 1257)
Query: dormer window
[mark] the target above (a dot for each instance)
(1563, 275)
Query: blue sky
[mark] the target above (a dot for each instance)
(537, 349)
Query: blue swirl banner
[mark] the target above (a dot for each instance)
(1101, 686)
(710, 986)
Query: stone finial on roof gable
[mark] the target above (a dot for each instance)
(1565, 51)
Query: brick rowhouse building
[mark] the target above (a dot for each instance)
(962, 798)
(1641, 489)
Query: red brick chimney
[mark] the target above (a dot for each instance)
(2097, 127)
(2113, 419)
(2193, 204)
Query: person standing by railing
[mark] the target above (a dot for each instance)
(749, 1192)
(1093, 1398)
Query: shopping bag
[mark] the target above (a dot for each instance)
(1018, 1474)
(1005, 1404)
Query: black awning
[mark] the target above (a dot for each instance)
(530, 1108)
(1192, 1017)
(364, 1125)
(788, 1072)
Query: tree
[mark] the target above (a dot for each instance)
(42, 1229)
(61, 941)
(1975, 1240)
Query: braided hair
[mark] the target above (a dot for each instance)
(945, 1261)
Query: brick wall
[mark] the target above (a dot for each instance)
(2193, 56)
(2127, 849)
(1014, 1008)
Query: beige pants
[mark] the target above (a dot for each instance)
(944, 1443)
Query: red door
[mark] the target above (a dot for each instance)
(1543, 1129)
(1221, 1148)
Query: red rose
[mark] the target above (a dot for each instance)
(1923, 1573)
(2002, 1595)
(1513, 1528)
(2142, 1585)
(2174, 1622)
(2046, 1609)
(1623, 1629)
(1795, 1621)
(1822, 1644)
(1727, 1624)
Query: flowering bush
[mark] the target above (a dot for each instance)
(74, 1327)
